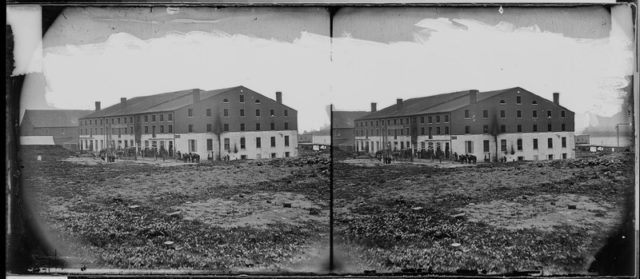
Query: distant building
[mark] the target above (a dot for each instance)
(512, 124)
(42, 126)
(582, 139)
(305, 138)
(344, 128)
(322, 137)
(236, 122)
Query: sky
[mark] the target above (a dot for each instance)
(377, 55)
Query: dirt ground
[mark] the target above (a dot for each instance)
(548, 217)
(257, 216)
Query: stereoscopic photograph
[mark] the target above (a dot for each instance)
(408, 140)
(483, 140)
(168, 138)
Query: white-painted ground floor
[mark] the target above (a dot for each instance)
(512, 147)
(234, 145)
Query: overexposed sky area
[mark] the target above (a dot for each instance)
(377, 55)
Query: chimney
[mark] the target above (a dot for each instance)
(374, 107)
(473, 96)
(97, 106)
(399, 103)
(196, 95)
(556, 98)
(279, 97)
(123, 100)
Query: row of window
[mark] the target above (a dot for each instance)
(225, 128)
(403, 131)
(243, 143)
(504, 147)
(396, 121)
(503, 114)
(126, 119)
(518, 101)
(241, 112)
(445, 131)
(503, 128)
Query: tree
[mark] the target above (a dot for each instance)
(495, 131)
(217, 129)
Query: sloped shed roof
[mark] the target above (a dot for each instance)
(54, 117)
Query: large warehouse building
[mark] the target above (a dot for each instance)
(51, 125)
(236, 122)
(511, 124)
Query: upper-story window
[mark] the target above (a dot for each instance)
(286, 112)
(485, 113)
(421, 119)
(190, 112)
(466, 113)
(170, 116)
(503, 114)
(257, 112)
(225, 112)
(208, 112)
(429, 119)
(257, 101)
(502, 102)
(562, 113)
(272, 112)
(534, 114)
(518, 100)
(548, 114)
(519, 113)
(153, 118)
(534, 102)
(438, 119)
(241, 112)
(446, 118)
(225, 100)
(241, 98)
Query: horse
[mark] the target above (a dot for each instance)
(472, 159)
(463, 159)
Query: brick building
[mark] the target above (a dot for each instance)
(236, 121)
(512, 123)
(56, 124)
(343, 126)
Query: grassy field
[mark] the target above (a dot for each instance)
(241, 216)
(544, 217)
(272, 215)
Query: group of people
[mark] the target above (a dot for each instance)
(188, 157)
(108, 155)
(465, 158)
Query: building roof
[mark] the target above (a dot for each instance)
(344, 119)
(437, 103)
(157, 103)
(415, 105)
(461, 102)
(54, 117)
